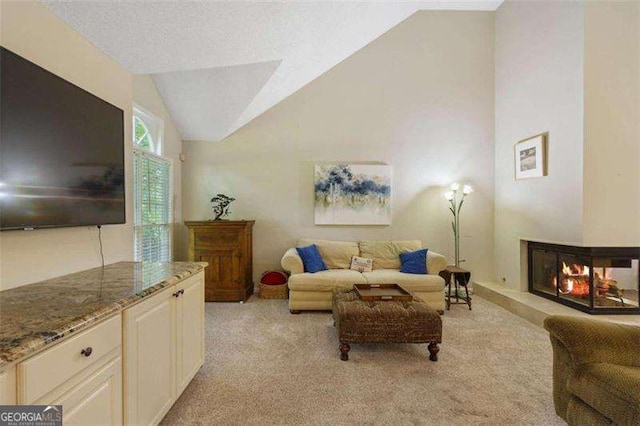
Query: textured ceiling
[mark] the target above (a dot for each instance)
(218, 65)
(205, 103)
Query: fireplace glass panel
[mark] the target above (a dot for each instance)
(544, 271)
(597, 280)
(574, 280)
(615, 283)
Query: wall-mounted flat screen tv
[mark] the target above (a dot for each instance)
(61, 151)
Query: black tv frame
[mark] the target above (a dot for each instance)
(122, 156)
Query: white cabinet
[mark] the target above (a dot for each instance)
(44, 373)
(97, 400)
(82, 373)
(190, 331)
(163, 349)
(8, 387)
(144, 357)
(149, 359)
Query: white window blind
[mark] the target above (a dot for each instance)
(152, 207)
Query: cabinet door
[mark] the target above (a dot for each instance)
(223, 277)
(8, 387)
(190, 330)
(97, 400)
(149, 359)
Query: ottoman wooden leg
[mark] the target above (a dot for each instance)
(433, 351)
(344, 351)
(294, 311)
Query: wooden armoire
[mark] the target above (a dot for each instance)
(227, 245)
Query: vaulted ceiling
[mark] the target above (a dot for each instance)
(218, 65)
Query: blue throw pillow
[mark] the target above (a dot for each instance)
(414, 262)
(311, 259)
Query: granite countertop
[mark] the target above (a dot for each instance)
(35, 315)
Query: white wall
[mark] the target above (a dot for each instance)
(538, 88)
(32, 31)
(612, 124)
(420, 98)
(146, 95)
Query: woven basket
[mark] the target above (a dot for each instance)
(280, 291)
(274, 290)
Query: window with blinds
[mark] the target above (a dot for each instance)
(152, 202)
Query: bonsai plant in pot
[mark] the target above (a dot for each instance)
(220, 204)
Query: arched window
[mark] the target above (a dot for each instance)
(141, 136)
(152, 190)
(147, 131)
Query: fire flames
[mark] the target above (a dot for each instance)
(575, 280)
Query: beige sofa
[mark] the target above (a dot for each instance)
(309, 291)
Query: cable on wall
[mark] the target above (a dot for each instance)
(100, 239)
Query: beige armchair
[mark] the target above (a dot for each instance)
(596, 371)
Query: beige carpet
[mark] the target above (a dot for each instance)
(266, 366)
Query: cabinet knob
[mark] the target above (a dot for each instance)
(176, 294)
(87, 352)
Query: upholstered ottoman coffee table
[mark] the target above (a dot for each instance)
(358, 321)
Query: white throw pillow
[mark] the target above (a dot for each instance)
(361, 264)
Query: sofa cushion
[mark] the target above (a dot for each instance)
(325, 280)
(336, 254)
(613, 390)
(410, 282)
(386, 254)
(414, 262)
(311, 259)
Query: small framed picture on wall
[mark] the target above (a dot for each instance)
(531, 157)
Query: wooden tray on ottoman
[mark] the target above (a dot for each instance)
(382, 292)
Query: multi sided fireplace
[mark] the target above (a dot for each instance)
(597, 280)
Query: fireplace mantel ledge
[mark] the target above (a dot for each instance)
(561, 243)
(573, 243)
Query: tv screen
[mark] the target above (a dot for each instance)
(61, 151)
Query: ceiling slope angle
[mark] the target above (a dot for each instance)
(207, 40)
(355, 26)
(205, 103)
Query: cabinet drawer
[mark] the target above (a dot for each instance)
(210, 238)
(44, 372)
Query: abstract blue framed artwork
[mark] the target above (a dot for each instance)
(352, 194)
